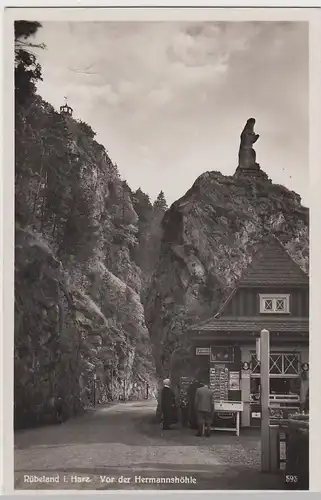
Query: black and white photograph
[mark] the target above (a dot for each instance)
(161, 250)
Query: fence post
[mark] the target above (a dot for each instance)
(95, 377)
(274, 448)
(265, 395)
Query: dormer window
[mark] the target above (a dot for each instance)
(274, 304)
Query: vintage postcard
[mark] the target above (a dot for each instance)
(161, 170)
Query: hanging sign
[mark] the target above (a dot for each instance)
(203, 351)
(222, 354)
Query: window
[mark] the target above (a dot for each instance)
(285, 364)
(274, 304)
(280, 385)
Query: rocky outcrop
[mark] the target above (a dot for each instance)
(80, 333)
(209, 237)
(65, 336)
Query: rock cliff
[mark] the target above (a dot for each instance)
(80, 331)
(209, 237)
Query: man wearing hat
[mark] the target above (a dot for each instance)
(167, 404)
(204, 409)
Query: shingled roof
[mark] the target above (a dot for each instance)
(272, 265)
(253, 324)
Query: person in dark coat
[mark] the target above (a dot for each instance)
(59, 410)
(306, 406)
(184, 409)
(204, 409)
(192, 417)
(167, 405)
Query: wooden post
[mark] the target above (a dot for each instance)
(237, 423)
(112, 384)
(274, 449)
(265, 396)
(95, 389)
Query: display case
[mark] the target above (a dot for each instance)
(284, 398)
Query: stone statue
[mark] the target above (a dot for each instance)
(247, 155)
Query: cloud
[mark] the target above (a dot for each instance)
(181, 92)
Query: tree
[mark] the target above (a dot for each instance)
(144, 210)
(86, 129)
(27, 69)
(160, 203)
(142, 205)
(153, 235)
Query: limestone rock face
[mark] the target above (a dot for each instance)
(80, 333)
(209, 237)
(65, 334)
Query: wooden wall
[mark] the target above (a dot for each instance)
(246, 302)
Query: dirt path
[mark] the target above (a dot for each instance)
(118, 447)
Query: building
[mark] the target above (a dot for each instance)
(272, 293)
(66, 110)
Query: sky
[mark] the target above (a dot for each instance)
(168, 100)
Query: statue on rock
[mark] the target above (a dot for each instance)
(247, 155)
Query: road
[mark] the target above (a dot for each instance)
(119, 446)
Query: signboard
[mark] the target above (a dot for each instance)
(222, 354)
(228, 406)
(219, 382)
(184, 386)
(203, 351)
(234, 381)
(185, 381)
(245, 374)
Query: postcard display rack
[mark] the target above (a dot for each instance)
(185, 383)
(223, 380)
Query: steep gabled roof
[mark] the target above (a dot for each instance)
(272, 265)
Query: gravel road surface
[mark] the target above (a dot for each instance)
(119, 446)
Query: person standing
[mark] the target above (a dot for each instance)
(192, 417)
(59, 410)
(167, 404)
(204, 409)
(184, 410)
(306, 406)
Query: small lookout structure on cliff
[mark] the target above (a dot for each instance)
(65, 109)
